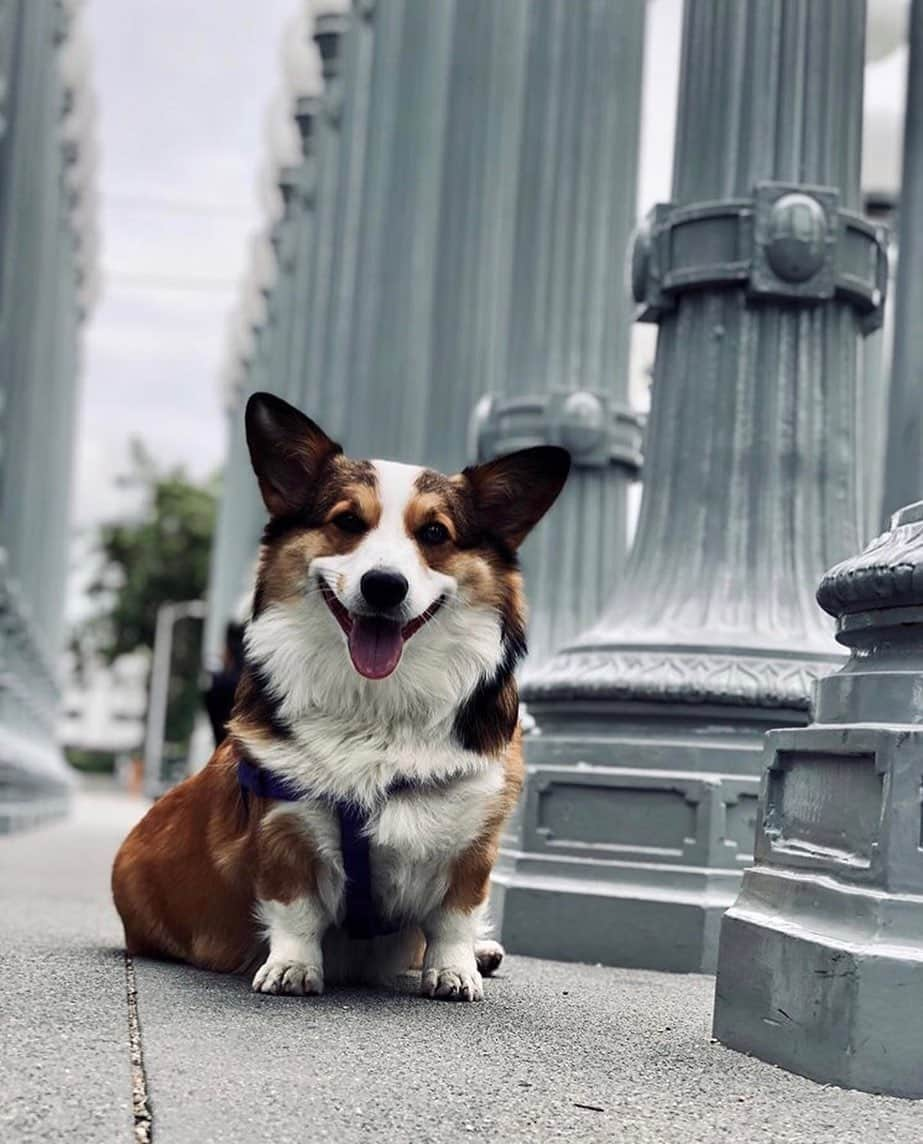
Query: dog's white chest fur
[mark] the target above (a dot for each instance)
(414, 838)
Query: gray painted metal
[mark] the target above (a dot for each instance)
(478, 205)
(644, 776)
(42, 266)
(277, 363)
(400, 228)
(569, 319)
(904, 454)
(821, 957)
(331, 28)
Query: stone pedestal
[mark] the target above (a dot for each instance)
(644, 775)
(821, 957)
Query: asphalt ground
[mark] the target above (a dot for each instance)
(554, 1052)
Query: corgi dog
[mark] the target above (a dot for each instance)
(346, 828)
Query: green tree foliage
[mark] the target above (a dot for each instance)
(160, 555)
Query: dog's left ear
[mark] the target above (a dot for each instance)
(513, 493)
(287, 451)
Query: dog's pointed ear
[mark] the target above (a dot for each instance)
(287, 451)
(513, 493)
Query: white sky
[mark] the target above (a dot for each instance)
(183, 87)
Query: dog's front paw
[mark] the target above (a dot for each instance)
(452, 984)
(289, 977)
(489, 956)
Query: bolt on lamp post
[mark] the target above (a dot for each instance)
(821, 958)
(762, 278)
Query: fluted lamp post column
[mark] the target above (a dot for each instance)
(307, 85)
(267, 338)
(643, 784)
(332, 19)
(821, 957)
(565, 380)
(390, 356)
(47, 286)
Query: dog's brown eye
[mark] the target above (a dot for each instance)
(349, 522)
(433, 533)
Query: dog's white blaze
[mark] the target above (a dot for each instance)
(388, 546)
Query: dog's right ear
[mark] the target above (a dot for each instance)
(287, 451)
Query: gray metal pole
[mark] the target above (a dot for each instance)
(330, 358)
(477, 222)
(306, 112)
(566, 375)
(275, 360)
(332, 19)
(392, 335)
(45, 260)
(904, 453)
(762, 279)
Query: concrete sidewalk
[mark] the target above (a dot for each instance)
(555, 1051)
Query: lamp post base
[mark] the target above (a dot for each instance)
(633, 832)
(824, 979)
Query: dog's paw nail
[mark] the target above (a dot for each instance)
(291, 977)
(452, 985)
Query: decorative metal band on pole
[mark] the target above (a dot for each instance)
(762, 281)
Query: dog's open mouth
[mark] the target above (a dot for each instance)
(375, 643)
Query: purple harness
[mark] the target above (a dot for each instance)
(362, 918)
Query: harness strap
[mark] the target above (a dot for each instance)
(362, 919)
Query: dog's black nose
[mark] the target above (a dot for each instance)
(383, 589)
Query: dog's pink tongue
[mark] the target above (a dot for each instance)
(375, 646)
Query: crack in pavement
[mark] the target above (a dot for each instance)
(140, 1100)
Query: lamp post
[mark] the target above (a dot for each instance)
(266, 337)
(47, 273)
(821, 957)
(306, 85)
(332, 20)
(390, 354)
(904, 453)
(564, 364)
(762, 278)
